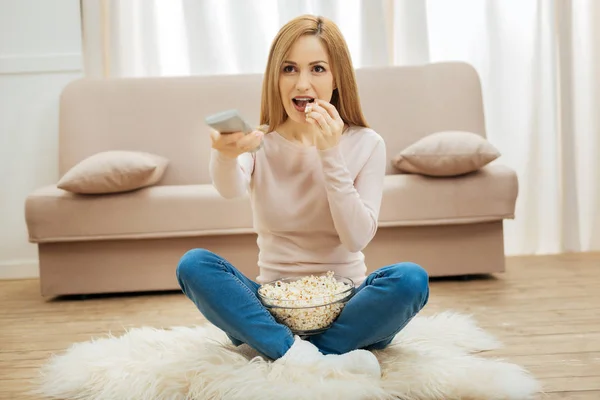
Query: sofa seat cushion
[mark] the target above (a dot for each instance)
(55, 215)
(488, 194)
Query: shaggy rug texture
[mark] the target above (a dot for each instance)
(433, 358)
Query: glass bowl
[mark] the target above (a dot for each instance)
(308, 317)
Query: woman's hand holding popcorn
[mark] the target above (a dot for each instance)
(327, 123)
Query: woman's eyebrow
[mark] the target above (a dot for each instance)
(311, 63)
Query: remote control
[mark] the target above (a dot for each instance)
(228, 121)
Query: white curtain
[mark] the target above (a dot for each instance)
(539, 62)
(206, 37)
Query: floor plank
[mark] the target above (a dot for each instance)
(545, 309)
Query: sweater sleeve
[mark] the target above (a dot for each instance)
(355, 204)
(231, 177)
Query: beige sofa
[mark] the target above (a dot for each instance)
(132, 241)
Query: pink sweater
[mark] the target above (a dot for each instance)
(314, 211)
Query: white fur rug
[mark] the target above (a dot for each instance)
(431, 359)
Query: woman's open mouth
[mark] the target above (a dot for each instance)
(301, 102)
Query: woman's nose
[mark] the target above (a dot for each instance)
(303, 82)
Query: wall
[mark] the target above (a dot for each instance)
(40, 52)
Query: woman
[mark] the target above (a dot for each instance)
(316, 187)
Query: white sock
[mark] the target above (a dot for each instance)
(357, 362)
(304, 353)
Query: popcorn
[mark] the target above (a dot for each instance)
(307, 109)
(305, 304)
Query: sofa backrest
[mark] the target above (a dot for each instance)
(165, 115)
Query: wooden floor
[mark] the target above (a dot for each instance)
(545, 309)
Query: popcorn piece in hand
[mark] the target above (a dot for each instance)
(307, 109)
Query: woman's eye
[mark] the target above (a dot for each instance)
(319, 68)
(288, 68)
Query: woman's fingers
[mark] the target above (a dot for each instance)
(318, 109)
(214, 136)
(250, 141)
(320, 120)
(330, 108)
(328, 113)
(220, 140)
(228, 138)
(227, 143)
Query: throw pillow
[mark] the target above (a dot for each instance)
(114, 171)
(446, 153)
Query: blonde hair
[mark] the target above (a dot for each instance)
(345, 94)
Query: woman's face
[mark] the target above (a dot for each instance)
(305, 75)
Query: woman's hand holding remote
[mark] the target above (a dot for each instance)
(233, 144)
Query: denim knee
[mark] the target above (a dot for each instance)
(414, 280)
(191, 261)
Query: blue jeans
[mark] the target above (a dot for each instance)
(383, 304)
